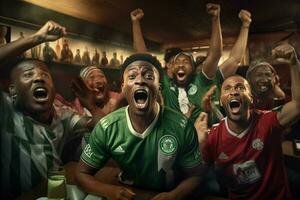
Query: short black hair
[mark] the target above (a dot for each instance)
(171, 53)
(143, 57)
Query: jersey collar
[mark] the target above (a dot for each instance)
(148, 130)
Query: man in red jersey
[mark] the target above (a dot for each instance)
(245, 147)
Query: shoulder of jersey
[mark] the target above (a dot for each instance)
(174, 117)
(113, 117)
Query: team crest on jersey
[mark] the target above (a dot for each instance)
(193, 89)
(168, 144)
(257, 144)
(88, 151)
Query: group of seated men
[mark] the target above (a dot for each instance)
(160, 139)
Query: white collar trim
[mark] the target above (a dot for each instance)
(148, 130)
(235, 134)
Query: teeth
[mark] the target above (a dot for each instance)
(40, 90)
(234, 101)
(263, 87)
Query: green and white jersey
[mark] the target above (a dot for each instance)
(199, 85)
(147, 160)
(28, 148)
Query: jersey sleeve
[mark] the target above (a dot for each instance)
(95, 153)
(190, 156)
(218, 79)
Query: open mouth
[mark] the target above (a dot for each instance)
(40, 94)
(263, 87)
(180, 75)
(141, 98)
(99, 91)
(235, 106)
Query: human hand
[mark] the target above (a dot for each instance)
(85, 95)
(120, 193)
(206, 99)
(213, 9)
(285, 53)
(50, 31)
(201, 127)
(137, 14)
(245, 17)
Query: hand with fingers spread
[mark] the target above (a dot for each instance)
(207, 98)
(84, 94)
(137, 14)
(50, 31)
(245, 17)
(202, 127)
(213, 9)
(120, 193)
(285, 53)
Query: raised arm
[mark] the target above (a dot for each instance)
(138, 40)
(49, 32)
(290, 112)
(230, 66)
(216, 45)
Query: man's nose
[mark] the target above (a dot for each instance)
(39, 77)
(233, 91)
(140, 79)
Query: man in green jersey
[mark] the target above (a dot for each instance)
(184, 92)
(155, 147)
(34, 133)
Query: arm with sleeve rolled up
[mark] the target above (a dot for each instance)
(290, 112)
(49, 32)
(138, 40)
(230, 65)
(216, 45)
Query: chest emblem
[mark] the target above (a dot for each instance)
(193, 89)
(168, 144)
(257, 144)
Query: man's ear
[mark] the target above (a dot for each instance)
(12, 90)
(160, 87)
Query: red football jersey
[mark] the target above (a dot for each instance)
(251, 163)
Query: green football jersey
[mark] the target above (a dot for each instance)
(147, 160)
(28, 148)
(199, 85)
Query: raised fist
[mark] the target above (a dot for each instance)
(137, 14)
(245, 17)
(213, 9)
(50, 31)
(284, 53)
